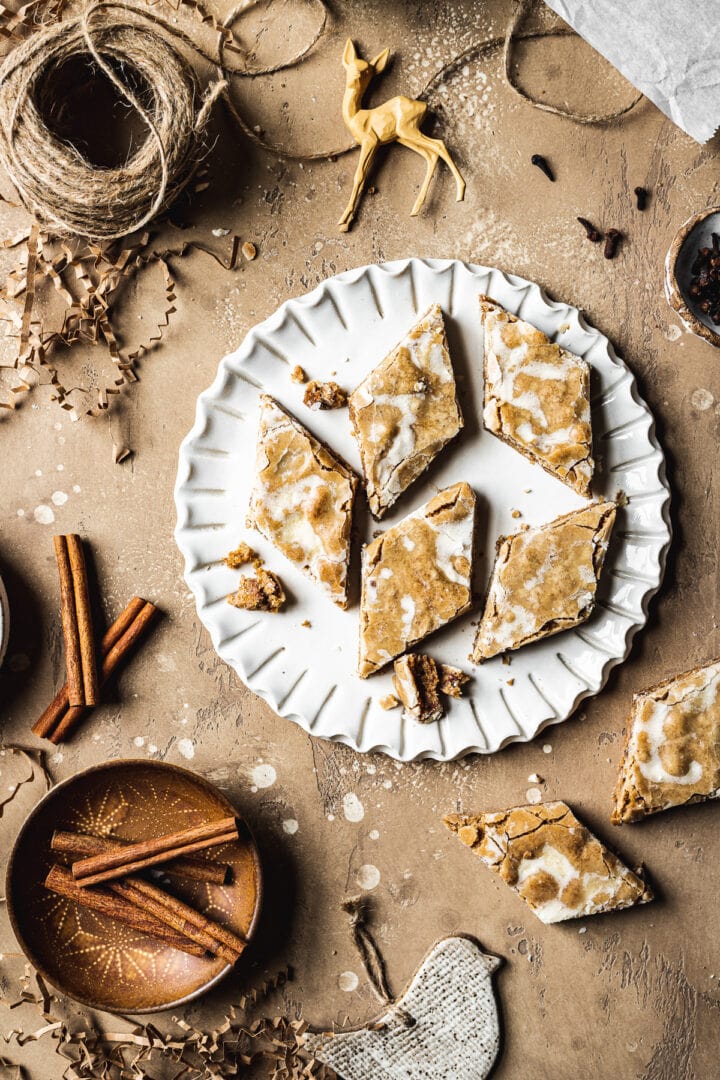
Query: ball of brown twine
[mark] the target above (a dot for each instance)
(65, 191)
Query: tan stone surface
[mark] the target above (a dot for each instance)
(637, 995)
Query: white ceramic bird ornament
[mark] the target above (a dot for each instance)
(396, 120)
(444, 1026)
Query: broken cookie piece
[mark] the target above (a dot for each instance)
(241, 556)
(672, 750)
(551, 860)
(537, 397)
(419, 681)
(298, 375)
(405, 411)
(302, 499)
(544, 580)
(416, 577)
(325, 395)
(263, 592)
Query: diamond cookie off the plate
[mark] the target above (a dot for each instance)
(416, 577)
(672, 751)
(405, 411)
(302, 499)
(544, 580)
(537, 396)
(551, 860)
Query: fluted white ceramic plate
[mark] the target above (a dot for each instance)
(307, 673)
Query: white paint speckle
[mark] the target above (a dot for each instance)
(139, 740)
(547, 748)
(290, 826)
(59, 468)
(533, 795)
(331, 817)
(374, 834)
(387, 784)
(701, 399)
(368, 876)
(21, 513)
(352, 807)
(673, 332)
(152, 748)
(263, 776)
(43, 514)
(77, 489)
(59, 498)
(187, 748)
(38, 472)
(58, 426)
(348, 981)
(165, 662)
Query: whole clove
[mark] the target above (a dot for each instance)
(541, 163)
(705, 280)
(593, 234)
(612, 240)
(642, 197)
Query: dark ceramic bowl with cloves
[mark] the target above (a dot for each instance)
(692, 274)
(86, 954)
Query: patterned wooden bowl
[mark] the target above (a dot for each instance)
(89, 956)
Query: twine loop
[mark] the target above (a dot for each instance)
(65, 191)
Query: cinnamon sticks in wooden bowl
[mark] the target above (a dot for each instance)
(180, 893)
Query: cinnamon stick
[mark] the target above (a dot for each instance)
(117, 653)
(60, 703)
(60, 881)
(233, 942)
(83, 612)
(115, 864)
(192, 869)
(177, 915)
(71, 630)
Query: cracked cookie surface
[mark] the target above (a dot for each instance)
(544, 580)
(416, 577)
(405, 411)
(302, 499)
(537, 397)
(672, 751)
(551, 860)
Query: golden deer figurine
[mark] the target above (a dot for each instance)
(396, 120)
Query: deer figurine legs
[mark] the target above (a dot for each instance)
(368, 149)
(431, 150)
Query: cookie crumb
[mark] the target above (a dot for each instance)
(241, 556)
(306, 623)
(298, 375)
(260, 593)
(325, 395)
(452, 680)
(516, 514)
(249, 250)
(389, 702)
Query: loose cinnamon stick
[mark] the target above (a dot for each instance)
(115, 864)
(60, 881)
(83, 613)
(168, 909)
(60, 703)
(192, 869)
(117, 653)
(71, 630)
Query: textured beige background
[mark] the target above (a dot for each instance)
(636, 995)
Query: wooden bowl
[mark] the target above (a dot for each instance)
(694, 234)
(89, 956)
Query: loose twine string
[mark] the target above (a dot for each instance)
(71, 196)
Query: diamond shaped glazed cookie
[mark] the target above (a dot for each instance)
(544, 580)
(551, 860)
(537, 397)
(416, 577)
(672, 751)
(302, 499)
(405, 411)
